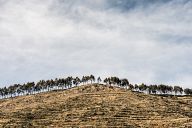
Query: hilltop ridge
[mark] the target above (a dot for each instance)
(96, 105)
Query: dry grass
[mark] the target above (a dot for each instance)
(96, 106)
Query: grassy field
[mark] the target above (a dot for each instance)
(91, 106)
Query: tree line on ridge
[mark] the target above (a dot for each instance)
(69, 82)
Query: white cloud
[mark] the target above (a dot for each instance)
(48, 38)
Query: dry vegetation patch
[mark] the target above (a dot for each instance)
(96, 106)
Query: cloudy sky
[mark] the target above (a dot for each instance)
(146, 41)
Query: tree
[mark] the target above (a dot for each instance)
(60, 83)
(154, 89)
(5, 92)
(92, 78)
(29, 87)
(19, 90)
(38, 87)
(143, 87)
(1, 92)
(114, 80)
(107, 81)
(131, 87)
(117, 81)
(188, 91)
(162, 88)
(76, 81)
(136, 87)
(42, 85)
(84, 79)
(178, 89)
(124, 83)
(11, 90)
(99, 80)
(169, 89)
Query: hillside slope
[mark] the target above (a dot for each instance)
(96, 106)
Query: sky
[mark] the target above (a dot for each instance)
(146, 41)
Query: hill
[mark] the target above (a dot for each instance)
(96, 106)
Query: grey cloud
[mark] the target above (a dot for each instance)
(144, 40)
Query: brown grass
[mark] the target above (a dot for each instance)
(96, 106)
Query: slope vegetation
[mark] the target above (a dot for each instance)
(96, 106)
